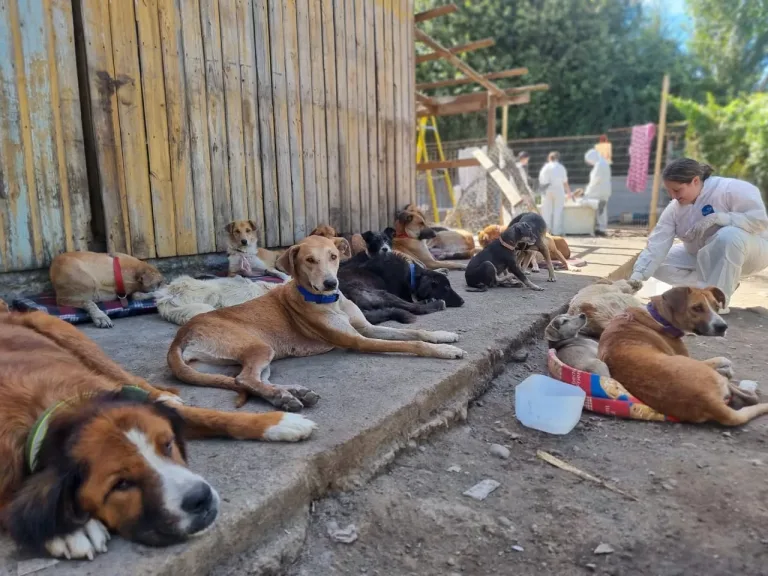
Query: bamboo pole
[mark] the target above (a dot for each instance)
(504, 122)
(653, 213)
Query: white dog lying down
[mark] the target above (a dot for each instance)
(602, 301)
(185, 297)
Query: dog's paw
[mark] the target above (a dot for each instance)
(442, 337)
(552, 279)
(291, 428)
(306, 396)
(172, 399)
(448, 352)
(103, 321)
(722, 366)
(443, 271)
(288, 402)
(573, 269)
(535, 287)
(83, 543)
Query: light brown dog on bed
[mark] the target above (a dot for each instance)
(452, 244)
(411, 236)
(602, 301)
(356, 241)
(305, 317)
(644, 350)
(246, 257)
(107, 451)
(81, 279)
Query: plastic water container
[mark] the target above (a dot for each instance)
(549, 405)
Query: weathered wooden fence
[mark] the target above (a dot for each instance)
(195, 112)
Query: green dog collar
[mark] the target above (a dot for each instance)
(40, 429)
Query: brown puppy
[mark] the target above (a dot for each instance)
(411, 236)
(489, 234)
(558, 247)
(88, 448)
(245, 255)
(81, 279)
(305, 317)
(644, 350)
(3, 306)
(356, 241)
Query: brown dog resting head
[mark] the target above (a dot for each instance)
(149, 278)
(412, 225)
(325, 231)
(314, 263)
(115, 463)
(693, 310)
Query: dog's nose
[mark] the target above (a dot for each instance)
(244, 242)
(330, 283)
(385, 249)
(583, 316)
(198, 499)
(720, 328)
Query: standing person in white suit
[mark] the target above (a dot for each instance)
(599, 188)
(722, 223)
(553, 183)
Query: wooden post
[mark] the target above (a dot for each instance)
(504, 122)
(491, 121)
(659, 153)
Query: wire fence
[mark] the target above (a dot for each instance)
(571, 150)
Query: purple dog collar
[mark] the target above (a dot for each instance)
(671, 331)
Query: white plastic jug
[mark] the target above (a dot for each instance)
(549, 405)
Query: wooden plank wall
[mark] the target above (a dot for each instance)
(44, 205)
(291, 113)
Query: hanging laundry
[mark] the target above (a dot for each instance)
(639, 154)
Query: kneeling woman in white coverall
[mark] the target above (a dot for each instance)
(599, 187)
(722, 223)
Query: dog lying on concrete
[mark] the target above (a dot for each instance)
(447, 243)
(81, 279)
(244, 254)
(411, 237)
(305, 317)
(602, 301)
(186, 297)
(88, 449)
(571, 347)
(497, 263)
(644, 350)
(385, 286)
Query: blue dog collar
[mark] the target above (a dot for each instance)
(318, 298)
(412, 268)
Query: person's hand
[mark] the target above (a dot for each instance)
(716, 219)
(636, 277)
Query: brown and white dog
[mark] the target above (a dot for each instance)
(88, 449)
(356, 241)
(602, 301)
(451, 244)
(305, 317)
(81, 279)
(245, 255)
(411, 236)
(644, 350)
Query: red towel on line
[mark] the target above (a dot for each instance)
(639, 154)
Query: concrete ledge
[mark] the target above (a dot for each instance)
(371, 406)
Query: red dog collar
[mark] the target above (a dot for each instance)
(402, 235)
(119, 284)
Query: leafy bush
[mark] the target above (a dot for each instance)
(732, 138)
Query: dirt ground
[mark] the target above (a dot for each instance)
(701, 508)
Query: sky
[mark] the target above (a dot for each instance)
(676, 18)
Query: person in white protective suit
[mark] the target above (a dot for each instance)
(722, 223)
(599, 188)
(553, 183)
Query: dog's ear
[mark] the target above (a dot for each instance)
(253, 225)
(389, 232)
(343, 246)
(367, 236)
(45, 507)
(718, 294)
(287, 260)
(551, 333)
(150, 279)
(229, 227)
(676, 298)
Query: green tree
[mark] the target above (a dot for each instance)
(603, 61)
(730, 41)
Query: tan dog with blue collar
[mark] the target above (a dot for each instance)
(304, 317)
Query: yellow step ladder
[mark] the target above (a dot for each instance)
(430, 125)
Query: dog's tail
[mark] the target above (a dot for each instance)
(385, 314)
(189, 375)
(478, 288)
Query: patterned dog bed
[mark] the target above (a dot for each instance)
(113, 309)
(604, 395)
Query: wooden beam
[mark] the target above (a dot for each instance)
(425, 100)
(458, 63)
(476, 45)
(474, 105)
(491, 134)
(507, 187)
(530, 88)
(434, 13)
(653, 209)
(512, 72)
(447, 164)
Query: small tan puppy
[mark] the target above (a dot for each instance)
(81, 279)
(305, 317)
(602, 301)
(577, 351)
(356, 241)
(3, 306)
(245, 255)
(644, 350)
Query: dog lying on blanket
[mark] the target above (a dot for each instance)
(447, 243)
(411, 237)
(356, 241)
(572, 348)
(305, 317)
(80, 279)
(602, 301)
(385, 286)
(186, 297)
(497, 263)
(88, 449)
(244, 254)
(644, 350)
